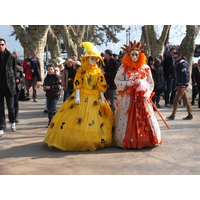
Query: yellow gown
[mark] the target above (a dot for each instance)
(84, 126)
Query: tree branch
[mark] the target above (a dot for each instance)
(165, 32)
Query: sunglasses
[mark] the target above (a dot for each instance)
(2, 45)
(175, 57)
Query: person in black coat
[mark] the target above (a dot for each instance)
(19, 82)
(169, 75)
(7, 86)
(110, 70)
(196, 80)
(52, 87)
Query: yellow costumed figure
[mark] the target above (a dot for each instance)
(85, 120)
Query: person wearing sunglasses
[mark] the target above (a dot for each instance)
(182, 75)
(7, 86)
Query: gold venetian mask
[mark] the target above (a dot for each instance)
(134, 54)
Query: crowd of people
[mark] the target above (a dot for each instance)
(170, 75)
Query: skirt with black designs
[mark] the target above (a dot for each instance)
(81, 127)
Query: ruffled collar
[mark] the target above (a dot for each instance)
(128, 62)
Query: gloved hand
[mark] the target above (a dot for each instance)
(102, 98)
(129, 83)
(138, 81)
(77, 100)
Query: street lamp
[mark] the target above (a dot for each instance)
(128, 33)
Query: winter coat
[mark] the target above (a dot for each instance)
(110, 70)
(27, 69)
(169, 67)
(196, 75)
(54, 82)
(182, 73)
(20, 77)
(159, 76)
(8, 73)
(154, 76)
(66, 74)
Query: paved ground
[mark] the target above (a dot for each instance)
(23, 152)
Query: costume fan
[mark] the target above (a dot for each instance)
(84, 121)
(135, 123)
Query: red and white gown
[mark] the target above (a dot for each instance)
(136, 125)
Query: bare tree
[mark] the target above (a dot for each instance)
(53, 42)
(33, 38)
(188, 43)
(73, 35)
(155, 45)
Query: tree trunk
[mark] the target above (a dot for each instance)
(53, 44)
(188, 43)
(33, 38)
(155, 47)
(72, 37)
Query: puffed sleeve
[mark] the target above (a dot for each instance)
(119, 80)
(78, 81)
(101, 82)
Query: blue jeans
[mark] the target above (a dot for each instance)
(168, 89)
(11, 109)
(51, 105)
(110, 96)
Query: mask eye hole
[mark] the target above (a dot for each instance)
(134, 53)
(92, 60)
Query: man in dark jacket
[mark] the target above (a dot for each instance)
(110, 69)
(169, 75)
(7, 86)
(182, 76)
(196, 80)
(32, 70)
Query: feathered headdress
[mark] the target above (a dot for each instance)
(128, 62)
(134, 46)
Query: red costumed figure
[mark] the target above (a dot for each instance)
(135, 123)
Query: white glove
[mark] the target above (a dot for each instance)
(77, 100)
(137, 81)
(102, 98)
(129, 83)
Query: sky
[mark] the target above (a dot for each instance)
(12, 44)
(177, 33)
